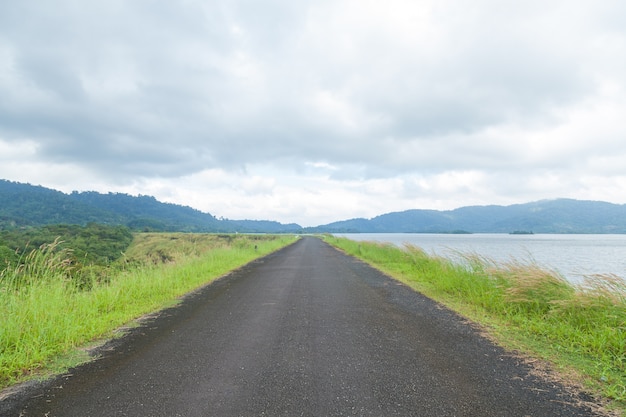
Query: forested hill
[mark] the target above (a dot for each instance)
(547, 216)
(29, 205)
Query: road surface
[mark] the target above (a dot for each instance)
(306, 331)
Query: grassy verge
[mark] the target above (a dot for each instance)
(580, 330)
(47, 312)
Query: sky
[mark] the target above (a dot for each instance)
(316, 111)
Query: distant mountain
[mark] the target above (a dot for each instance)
(547, 216)
(30, 205)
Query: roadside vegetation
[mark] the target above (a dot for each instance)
(55, 300)
(580, 330)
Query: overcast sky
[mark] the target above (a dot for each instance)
(316, 111)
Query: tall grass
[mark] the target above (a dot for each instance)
(581, 328)
(44, 314)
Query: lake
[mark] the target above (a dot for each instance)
(574, 256)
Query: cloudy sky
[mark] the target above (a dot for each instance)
(315, 111)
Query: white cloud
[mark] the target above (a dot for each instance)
(316, 111)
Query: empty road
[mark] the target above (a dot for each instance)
(306, 331)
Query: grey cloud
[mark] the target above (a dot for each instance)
(169, 88)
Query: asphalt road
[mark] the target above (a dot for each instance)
(306, 331)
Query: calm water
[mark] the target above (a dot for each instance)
(572, 255)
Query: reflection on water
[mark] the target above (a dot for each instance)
(572, 255)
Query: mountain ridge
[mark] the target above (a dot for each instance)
(561, 215)
(23, 205)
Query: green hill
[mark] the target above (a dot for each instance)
(547, 216)
(30, 205)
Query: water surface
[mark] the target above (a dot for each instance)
(574, 256)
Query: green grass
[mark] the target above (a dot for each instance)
(47, 314)
(580, 330)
